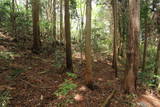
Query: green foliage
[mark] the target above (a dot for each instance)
(73, 5)
(151, 56)
(5, 13)
(68, 100)
(58, 60)
(148, 78)
(72, 75)
(22, 19)
(4, 98)
(65, 87)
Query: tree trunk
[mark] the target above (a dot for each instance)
(145, 47)
(88, 56)
(68, 37)
(36, 28)
(114, 63)
(61, 20)
(157, 70)
(27, 17)
(13, 20)
(133, 44)
(54, 22)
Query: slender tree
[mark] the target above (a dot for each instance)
(133, 44)
(36, 29)
(115, 34)
(157, 68)
(88, 56)
(61, 20)
(13, 20)
(54, 21)
(68, 37)
(27, 16)
(145, 46)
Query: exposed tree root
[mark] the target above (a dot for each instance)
(108, 100)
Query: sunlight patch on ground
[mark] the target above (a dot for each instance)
(82, 88)
(2, 48)
(109, 63)
(77, 55)
(78, 97)
(149, 100)
(5, 36)
(100, 79)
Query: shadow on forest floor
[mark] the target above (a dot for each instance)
(27, 79)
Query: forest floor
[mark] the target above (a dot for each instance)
(30, 80)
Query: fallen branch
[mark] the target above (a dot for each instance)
(107, 101)
(35, 86)
(6, 87)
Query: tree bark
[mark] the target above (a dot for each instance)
(145, 47)
(36, 29)
(13, 20)
(68, 37)
(88, 55)
(27, 17)
(133, 46)
(61, 20)
(114, 62)
(157, 69)
(54, 21)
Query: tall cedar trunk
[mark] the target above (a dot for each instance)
(27, 16)
(133, 44)
(81, 31)
(54, 21)
(61, 20)
(145, 47)
(36, 28)
(114, 63)
(13, 20)
(68, 37)
(157, 69)
(88, 70)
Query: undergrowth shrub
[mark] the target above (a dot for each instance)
(4, 98)
(65, 88)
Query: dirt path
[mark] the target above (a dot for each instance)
(148, 100)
